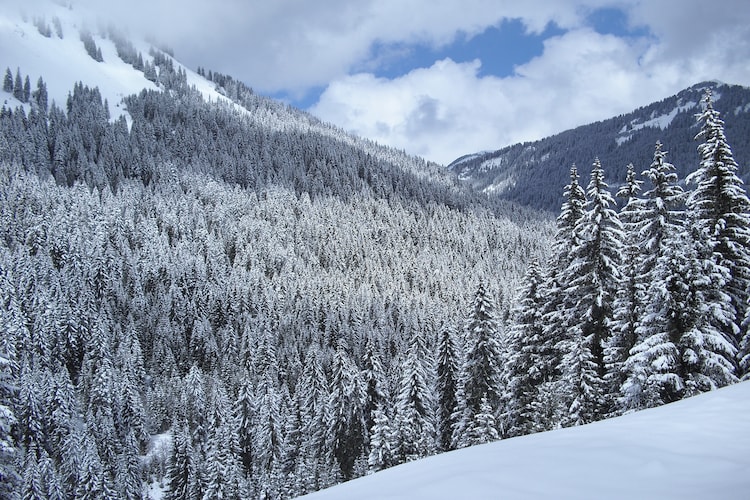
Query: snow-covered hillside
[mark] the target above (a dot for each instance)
(693, 449)
(62, 61)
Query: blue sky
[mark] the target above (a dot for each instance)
(442, 78)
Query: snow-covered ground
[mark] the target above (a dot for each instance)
(698, 448)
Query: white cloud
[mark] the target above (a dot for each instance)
(293, 45)
(582, 76)
(448, 108)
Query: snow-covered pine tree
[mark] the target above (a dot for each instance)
(527, 366)
(313, 393)
(8, 389)
(373, 377)
(484, 427)
(556, 322)
(8, 81)
(345, 424)
(651, 367)
(593, 277)
(628, 301)
(182, 470)
(382, 442)
(481, 372)
(18, 86)
(720, 208)
(414, 411)
(447, 370)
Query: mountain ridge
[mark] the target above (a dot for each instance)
(533, 173)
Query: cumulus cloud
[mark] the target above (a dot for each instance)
(581, 76)
(448, 107)
(294, 45)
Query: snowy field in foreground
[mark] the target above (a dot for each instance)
(698, 448)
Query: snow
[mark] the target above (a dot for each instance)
(655, 121)
(64, 62)
(155, 464)
(693, 449)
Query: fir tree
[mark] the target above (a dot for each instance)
(593, 277)
(344, 415)
(414, 405)
(374, 379)
(182, 470)
(556, 323)
(8, 474)
(629, 299)
(26, 89)
(18, 86)
(448, 364)
(720, 208)
(481, 372)
(8, 81)
(652, 364)
(484, 427)
(527, 366)
(382, 442)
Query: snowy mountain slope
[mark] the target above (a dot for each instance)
(696, 448)
(534, 173)
(63, 61)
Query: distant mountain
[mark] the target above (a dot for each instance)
(534, 173)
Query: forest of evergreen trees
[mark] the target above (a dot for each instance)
(288, 308)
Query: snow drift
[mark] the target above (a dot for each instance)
(697, 448)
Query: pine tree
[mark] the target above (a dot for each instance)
(18, 86)
(527, 366)
(182, 470)
(651, 367)
(593, 277)
(484, 427)
(8, 474)
(556, 322)
(720, 208)
(414, 405)
(448, 364)
(8, 81)
(374, 380)
(382, 442)
(481, 372)
(345, 419)
(629, 300)
(26, 89)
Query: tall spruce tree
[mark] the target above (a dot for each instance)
(527, 366)
(593, 279)
(628, 302)
(651, 366)
(556, 322)
(447, 371)
(345, 423)
(481, 372)
(414, 416)
(720, 209)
